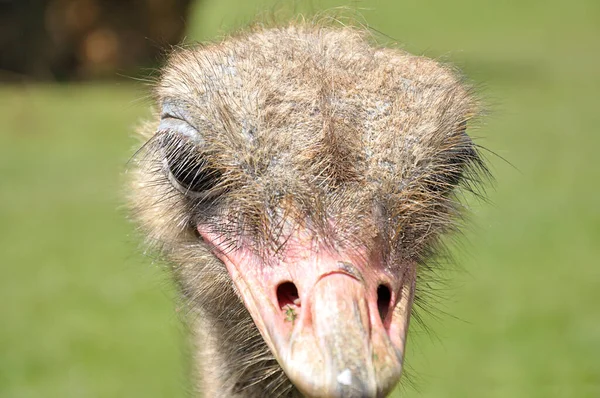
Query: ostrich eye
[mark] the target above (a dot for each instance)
(187, 167)
(450, 170)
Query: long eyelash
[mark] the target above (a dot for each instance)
(185, 167)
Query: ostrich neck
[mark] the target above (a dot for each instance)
(231, 357)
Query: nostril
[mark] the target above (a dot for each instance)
(287, 295)
(384, 295)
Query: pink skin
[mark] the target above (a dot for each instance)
(331, 339)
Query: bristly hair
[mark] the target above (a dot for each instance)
(298, 125)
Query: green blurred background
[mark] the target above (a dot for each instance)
(84, 314)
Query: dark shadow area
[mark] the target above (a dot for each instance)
(86, 39)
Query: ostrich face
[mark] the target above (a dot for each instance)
(318, 171)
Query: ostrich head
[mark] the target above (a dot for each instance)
(297, 178)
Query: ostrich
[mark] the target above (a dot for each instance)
(297, 179)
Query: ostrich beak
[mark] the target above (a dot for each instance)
(335, 321)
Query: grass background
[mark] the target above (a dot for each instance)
(84, 314)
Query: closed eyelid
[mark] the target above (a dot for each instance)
(176, 110)
(173, 119)
(181, 127)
